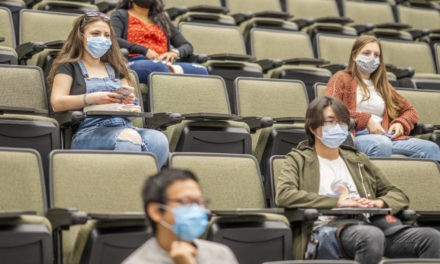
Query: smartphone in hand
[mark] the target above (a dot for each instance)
(125, 90)
(391, 134)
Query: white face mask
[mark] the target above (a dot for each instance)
(367, 64)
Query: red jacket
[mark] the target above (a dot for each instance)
(343, 86)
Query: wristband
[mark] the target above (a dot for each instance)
(84, 100)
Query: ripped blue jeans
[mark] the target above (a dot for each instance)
(102, 134)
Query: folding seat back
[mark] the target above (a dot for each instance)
(376, 18)
(285, 101)
(205, 38)
(22, 86)
(7, 38)
(271, 97)
(259, 13)
(320, 89)
(106, 185)
(190, 3)
(284, 45)
(417, 55)
(252, 6)
(424, 102)
(188, 94)
(203, 101)
(335, 49)
(420, 18)
(296, 52)
(25, 234)
(65, 6)
(25, 120)
(312, 8)
(56, 27)
(366, 12)
(222, 178)
(14, 6)
(318, 16)
(424, 195)
(198, 11)
(233, 184)
(7, 29)
(228, 60)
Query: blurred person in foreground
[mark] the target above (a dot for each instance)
(175, 208)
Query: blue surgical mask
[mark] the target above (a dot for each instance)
(98, 46)
(367, 64)
(190, 221)
(334, 135)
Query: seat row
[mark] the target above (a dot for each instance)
(403, 11)
(193, 111)
(366, 11)
(93, 211)
(291, 53)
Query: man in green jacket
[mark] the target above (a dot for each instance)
(322, 173)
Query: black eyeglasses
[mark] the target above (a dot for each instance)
(187, 201)
(331, 122)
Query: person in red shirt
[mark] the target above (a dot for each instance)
(153, 42)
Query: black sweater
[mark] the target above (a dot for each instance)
(119, 19)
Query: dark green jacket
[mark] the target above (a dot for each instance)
(298, 186)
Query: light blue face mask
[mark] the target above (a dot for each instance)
(190, 221)
(367, 64)
(98, 46)
(334, 135)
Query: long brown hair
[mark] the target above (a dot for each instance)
(378, 77)
(73, 48)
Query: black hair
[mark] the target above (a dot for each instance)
(156, 13)
(315, 117)
(156, 186)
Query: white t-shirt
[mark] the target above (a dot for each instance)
(375, 105)
(335, 179)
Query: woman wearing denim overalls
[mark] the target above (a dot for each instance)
(88, 71)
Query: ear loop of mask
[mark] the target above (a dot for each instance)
(168, 226)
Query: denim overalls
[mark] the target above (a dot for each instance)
(102, 133)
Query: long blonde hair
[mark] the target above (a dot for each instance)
(73, 48)
(378, 77)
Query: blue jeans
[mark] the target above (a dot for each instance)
(367, 244)
(328, 247)
(375, 145)
(104, 136)
(143, 67)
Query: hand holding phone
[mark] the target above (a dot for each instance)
(391, 134)
(125, 90)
